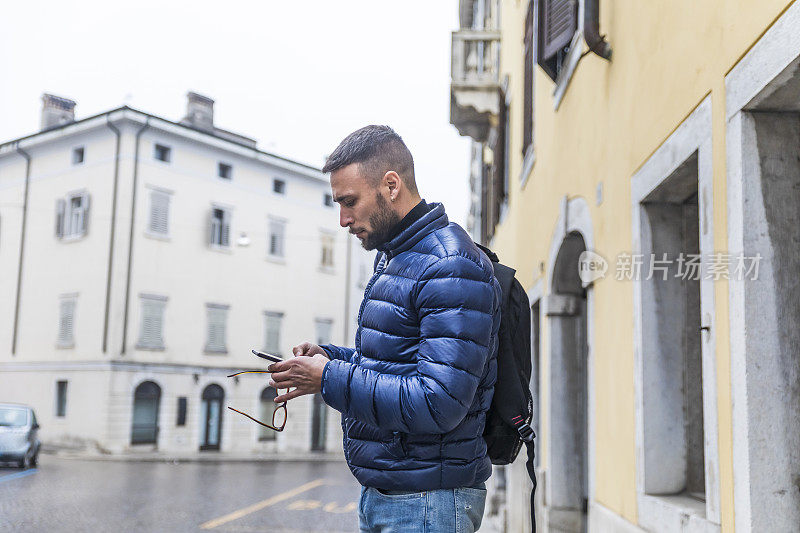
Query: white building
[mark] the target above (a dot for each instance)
(140, 261)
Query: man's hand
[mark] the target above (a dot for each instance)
(304, 374)
(308, 349)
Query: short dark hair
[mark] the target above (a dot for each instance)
(378, 149)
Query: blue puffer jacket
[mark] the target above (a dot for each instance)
(415, 390)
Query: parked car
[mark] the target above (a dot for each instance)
(19, 442)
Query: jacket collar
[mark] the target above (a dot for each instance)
(434, 219)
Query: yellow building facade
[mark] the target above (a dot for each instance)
(667, 366)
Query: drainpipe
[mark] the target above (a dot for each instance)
(27, 157)
(591, 29)
(113, 230)
(130, 237)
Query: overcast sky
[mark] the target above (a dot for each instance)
(295, 75)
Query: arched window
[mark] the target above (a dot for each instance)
(211, 417)
(146, 400)
(266, 410)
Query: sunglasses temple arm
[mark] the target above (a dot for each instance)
(250, 372)
(254, 419)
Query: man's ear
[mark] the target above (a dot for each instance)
(393, 182)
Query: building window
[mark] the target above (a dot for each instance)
(66, 321)
(181, 411)
(558, 22)
(211, 417)
(220, 227)
(151, 334)
(77, 155)
(671, 312)
(61, 398)
(272, 331)
(162, 153)
(328, 200)
(217, 317)
(158, 223)
(323, 327)
(224, 171)
(326, 258)
(276, 238)
(278, 186)
(72, 215)
(528, 106)
(267, 408)
(146, 401)
(496, 191)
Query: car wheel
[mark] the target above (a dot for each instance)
(35, 460)
(25, 463)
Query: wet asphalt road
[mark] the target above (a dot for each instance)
(98, 496)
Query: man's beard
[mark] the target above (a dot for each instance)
(383, 220)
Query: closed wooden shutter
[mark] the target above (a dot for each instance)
(66, 322)
(277, 230)
(272, 332)
(323, 327)
(159, 213)
(152, 331)
(217, 317)
(527, 134)
(500, 163)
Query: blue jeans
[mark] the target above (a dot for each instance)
(433, 511)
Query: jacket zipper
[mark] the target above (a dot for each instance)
(378, 270)
(381, 266)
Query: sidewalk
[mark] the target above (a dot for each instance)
(195, 457)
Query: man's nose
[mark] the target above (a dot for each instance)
(345, 220)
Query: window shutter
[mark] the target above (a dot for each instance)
(85, 218)
(272, 330)
(561, 22)
(499, 170)
(527, 134)
(216, 329)
(212, 225)
(277, 230)
(152, 332)
(226, 228)
(558, 22)
(323, 327)
(159, 213)
(61, 207)
(66, 321)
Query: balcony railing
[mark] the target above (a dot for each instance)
(475, 83)
(476, 58)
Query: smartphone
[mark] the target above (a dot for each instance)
(267, 356)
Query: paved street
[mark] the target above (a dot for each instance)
(82, 495)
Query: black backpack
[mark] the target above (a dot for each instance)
(509, 417)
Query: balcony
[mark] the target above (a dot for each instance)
(474, 87)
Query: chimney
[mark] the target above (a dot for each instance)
(199, 111)
(56, 111)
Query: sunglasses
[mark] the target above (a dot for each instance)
(280, 414)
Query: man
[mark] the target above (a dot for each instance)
(414, 391)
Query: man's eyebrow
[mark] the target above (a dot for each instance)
(340, 199)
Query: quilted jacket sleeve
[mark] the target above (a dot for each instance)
(338, 352)
(455, 300)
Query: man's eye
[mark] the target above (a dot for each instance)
(350, 203)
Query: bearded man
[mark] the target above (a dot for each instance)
(415, 389)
